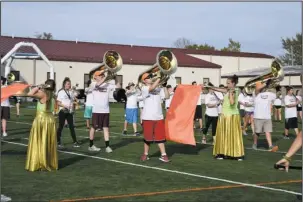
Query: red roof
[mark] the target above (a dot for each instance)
(93, 52)
(226, 53)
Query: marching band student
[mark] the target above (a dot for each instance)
(88, 105)
(229, 140)
(152, 116)
(221, 97)
(249, 113)
(291, 120)
(171, 94)
(198, 112)
(211, 114)
(241, 102)
(262, 114)
(5, 110)
(299, 106)
(100, 119)
(18, 103)
(141, 105)
(131, 111)
(65, 99)
(278, 106)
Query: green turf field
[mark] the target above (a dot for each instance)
(192, 175)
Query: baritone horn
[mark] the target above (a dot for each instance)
(112, 63)
(166, 65)
(276, 75)
(11, 77)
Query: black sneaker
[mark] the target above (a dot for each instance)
(137, 134)
(76, 144)
(124, 132)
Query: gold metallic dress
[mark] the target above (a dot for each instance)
(42, 144)
(229, 139)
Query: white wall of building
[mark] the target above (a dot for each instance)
(76, 71)
(234, 64)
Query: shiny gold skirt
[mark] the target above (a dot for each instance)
(229, 140)
(42, 144)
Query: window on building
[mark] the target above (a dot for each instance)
(17, 75)
(178, 80)
(205, 80)
(48, 76)
(86, 79)
(119, 79)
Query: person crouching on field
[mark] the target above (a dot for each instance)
(131, 111)
(152, 116)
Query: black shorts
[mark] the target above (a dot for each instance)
(198, 113)
(100, 120)
(242, 112)
(5, 113)
(277, 107)
(291, 123)
(299, 109)
(17, 100)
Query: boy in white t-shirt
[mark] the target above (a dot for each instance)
(100, 116)
(171, 95)
(198, 112)
(131, 111)
(241, 98)
(5, 110)
(291, 120)
(262, 114)
(152, 116)
(212, 102)
(249, 113)
(88, 104)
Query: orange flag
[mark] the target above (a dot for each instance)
(10, 90)
(180, 116)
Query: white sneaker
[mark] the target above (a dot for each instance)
(5, 198)
(4, 134)
(93, 148)
(108, 150)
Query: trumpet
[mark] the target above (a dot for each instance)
(112, 63)
(166, 64)
(276, 75)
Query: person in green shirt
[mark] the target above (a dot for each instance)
(229, 141)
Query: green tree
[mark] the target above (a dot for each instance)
(233, 46)
(292, 45)
(44, 35)
(201, 47)
(182, 42)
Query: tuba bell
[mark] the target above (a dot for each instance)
(11, 77)
(276, 75)
(112, 63)
(166, 64)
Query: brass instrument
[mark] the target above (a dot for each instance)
(166, 64)
(112, 63)
(11, 77)
(276, 75)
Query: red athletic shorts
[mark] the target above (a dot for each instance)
(154, 131)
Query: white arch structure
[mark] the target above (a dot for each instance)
(11, 55)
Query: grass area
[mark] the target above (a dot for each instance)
(193, 174)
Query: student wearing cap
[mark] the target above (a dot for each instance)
(100, 113)
(131, 111)
(152, 116)
(262, 114)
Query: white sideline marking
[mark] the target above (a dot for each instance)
(113, 136)
(171, 171)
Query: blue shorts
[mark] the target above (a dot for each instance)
(88, 112)
(131, 115)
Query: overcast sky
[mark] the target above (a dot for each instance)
(258, 26)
